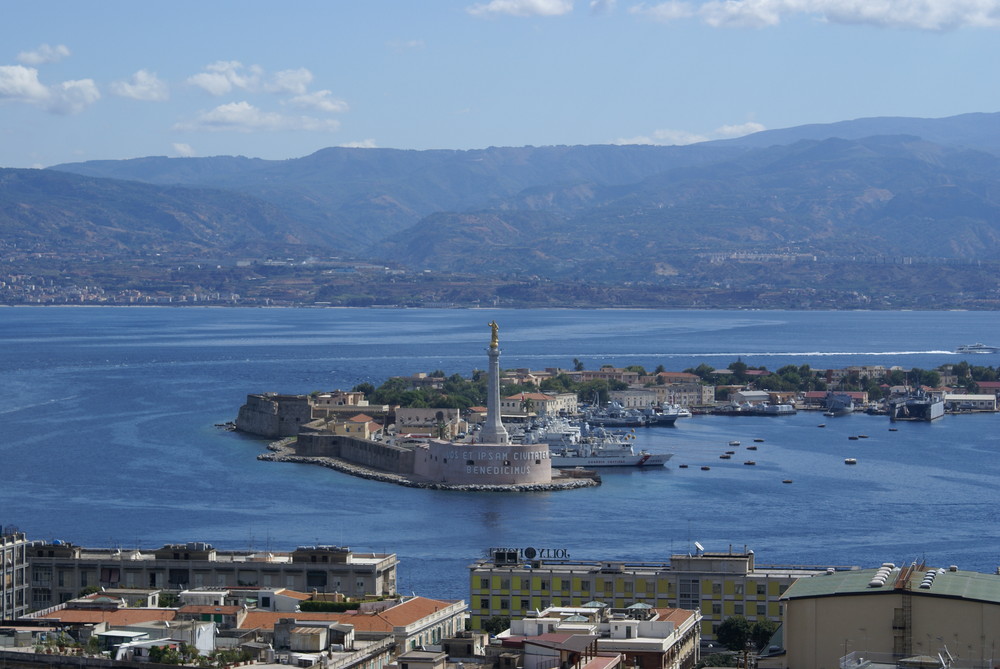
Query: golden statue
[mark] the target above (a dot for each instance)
(494, 340)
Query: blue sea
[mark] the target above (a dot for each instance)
(109, 438)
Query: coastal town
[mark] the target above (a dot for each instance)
(528, 607)
(556, 430)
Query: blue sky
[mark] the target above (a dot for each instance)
(112, 79)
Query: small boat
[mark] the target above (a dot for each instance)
(893, 429)
(705, 468)
(759, 441)
(821, 425)
(725, 456)
(734, 443)
(749, 462)
(862, 436)
(787, 481)
(730, 452)
(853, 438)
(850, 461)
(751, 448)
(683, 466)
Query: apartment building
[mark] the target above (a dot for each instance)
(513, 582)
(59, 571)
(15, 585)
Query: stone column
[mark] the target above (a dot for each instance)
(493, 431)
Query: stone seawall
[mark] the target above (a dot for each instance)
(285, 451)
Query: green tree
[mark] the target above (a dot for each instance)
(734, 632)
(577, 365)
(495, 624)
(89, 590)
(365, 388)
(761, 632)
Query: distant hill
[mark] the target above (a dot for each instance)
(872, 188)
(45, 211)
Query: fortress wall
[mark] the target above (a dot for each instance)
(377, 455)
(272, 415)
(483, 464)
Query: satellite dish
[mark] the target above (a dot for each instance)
(699, 547)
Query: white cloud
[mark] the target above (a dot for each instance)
(683, 137)
(360, 144)
(602, 6)
(933, 15)
(43, 54)
(409, 45)
(244, 117)
(320, 101)
(223, 76)
(144, 85)
(522, 8)
(747, 128)
(72, 97)
(21, 84)
(291, 81)
(183, 150)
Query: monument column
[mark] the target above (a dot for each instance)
(493, 431)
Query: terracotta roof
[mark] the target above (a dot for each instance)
(384, 621)
(531, 396)
(118, 617)
(360, 418)
(293, 594)
(603, 661)
(676, 616)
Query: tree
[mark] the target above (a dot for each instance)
(577, 365)
(495, 624)
(366, 388)
(734, 632)
(761, 632)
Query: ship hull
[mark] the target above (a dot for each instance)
(599, 461)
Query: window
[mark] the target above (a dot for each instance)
(544, 585)
(762, 610)
(525, 604)
(717, 608)
(762, 588)
(628, 586)
(738, 609)
(585, 586)
(738, 588)
(505, 584)
(716, 588)
(484, 584)
(484, 602)
(265, 602)
(505, 604)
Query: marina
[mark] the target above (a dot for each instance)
(138, 392)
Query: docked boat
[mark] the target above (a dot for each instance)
(663, 418)
(580, 445)
(615, 415)
(978, 347)
(838, 404)
(767, 409)
(917, 405)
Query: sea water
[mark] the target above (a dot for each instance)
(108, 437)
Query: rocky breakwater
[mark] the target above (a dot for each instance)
(284, 451)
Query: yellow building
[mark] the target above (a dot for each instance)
(512, 582)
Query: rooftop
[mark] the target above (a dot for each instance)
(955, 584)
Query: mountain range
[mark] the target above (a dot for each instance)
(880, 189)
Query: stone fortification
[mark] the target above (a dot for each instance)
(373, 455)
(483, 464)
(273, 415)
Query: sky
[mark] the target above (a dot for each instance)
(116, 79)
